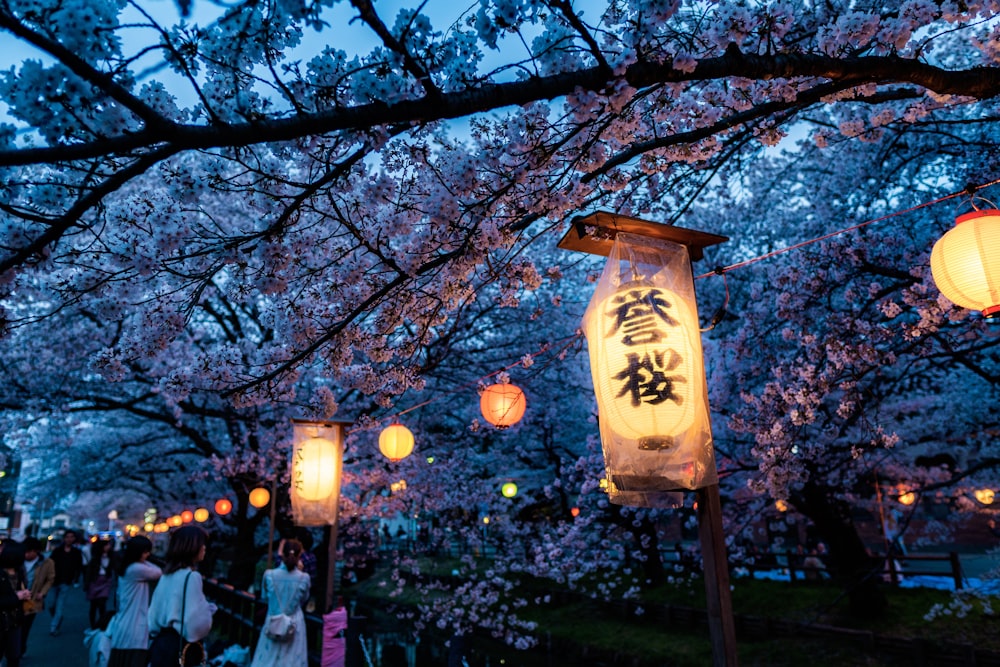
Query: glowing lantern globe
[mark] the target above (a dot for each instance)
(395, 442)
(175, 521)
(187, 516)
(260, 497)
(502, 404)
(646, 362)
(965, 264)
(201, 515)
(223, 507)
(315, 469)
(984, 496)
(509, 490)
(317, 458)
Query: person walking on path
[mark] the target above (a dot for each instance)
(68, 560)
(40, 573)
(13, 593)
(99, 580)
(179, 611)
(285, 589)
(130, 626)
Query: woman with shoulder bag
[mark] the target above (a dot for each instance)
(179, 615)
(13, 593)
(282, 641)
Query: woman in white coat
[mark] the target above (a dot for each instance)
(179, 610)
(129, 628)
(286, 589)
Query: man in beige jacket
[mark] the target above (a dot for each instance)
(41, 573)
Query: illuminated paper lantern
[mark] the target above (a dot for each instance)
(201, 515)
(395, 442)
(223, 507)
(502, 404)
(317, 460)
(965, 262)
(985, 496)
(175, 521)
(646, 362)
(260, 497)
(509, 490)
(187, 516)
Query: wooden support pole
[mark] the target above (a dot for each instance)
(270, 527)
(331, 566)
(721, 625)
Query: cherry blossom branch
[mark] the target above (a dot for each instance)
(975, 82)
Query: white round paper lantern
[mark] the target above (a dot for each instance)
(395, 442)
(965, 262)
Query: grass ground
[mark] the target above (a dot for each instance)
(609, 630)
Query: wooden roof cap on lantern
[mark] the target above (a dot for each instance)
(646, 360)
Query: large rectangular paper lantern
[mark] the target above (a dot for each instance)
(317, 459)
(649, 375)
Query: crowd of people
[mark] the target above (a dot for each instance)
(144, 615)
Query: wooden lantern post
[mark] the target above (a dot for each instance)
(595, 234)
(315, 484)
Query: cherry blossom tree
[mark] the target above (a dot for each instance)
(232, 225)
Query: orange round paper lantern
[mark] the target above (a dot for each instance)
(187, 516)
(260, 497)
(964, 262)
(502, 404)
(175, 521)
(223, 507)
(985, 496)
(395, 442)
(201, 514)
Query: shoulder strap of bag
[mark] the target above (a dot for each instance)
(184, 599)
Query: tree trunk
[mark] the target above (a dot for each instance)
(849, 562)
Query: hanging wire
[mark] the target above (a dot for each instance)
(969, 191)
(824, 237)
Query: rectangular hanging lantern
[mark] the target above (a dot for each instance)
(649, 376)
(317, 460)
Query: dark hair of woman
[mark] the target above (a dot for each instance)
(12, 555)
(96, 551)
(134, 549)
(290, 553)
(185, 545)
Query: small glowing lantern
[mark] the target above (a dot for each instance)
(781, 505)
(201, 515)
(396, 487)
(317, 459)
(175, 521)
(509, 490)
(223, 506)
(187, 516)
(984, 496)
(574, 512)
(161, 527)
(149, 527)
(646, 361)
(964, 262)
(260, 497)
(907, 497)
(486, 519)
(395, 442)
(502, 404)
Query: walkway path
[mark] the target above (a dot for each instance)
(66, 649)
